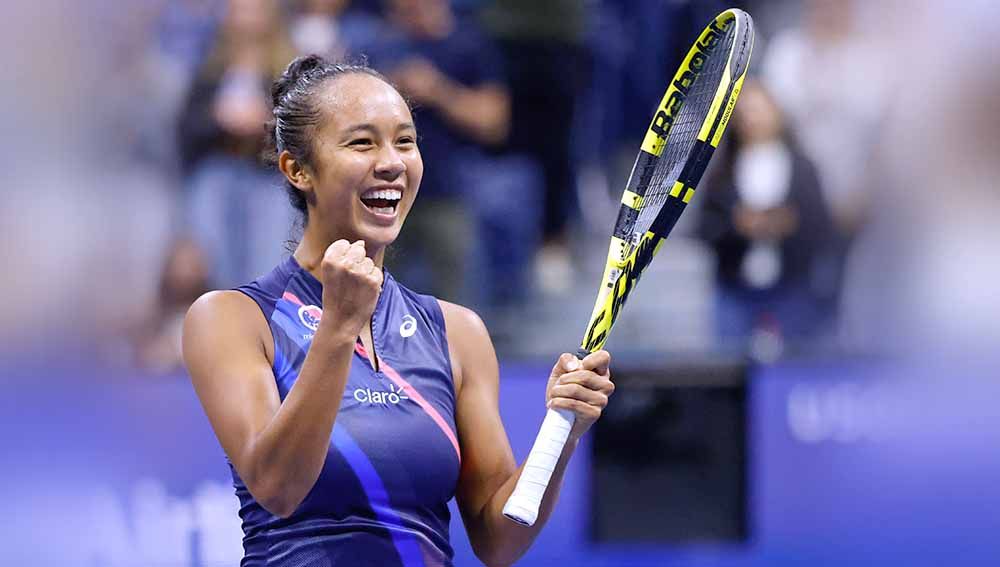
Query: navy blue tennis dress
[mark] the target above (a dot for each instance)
(393, 462)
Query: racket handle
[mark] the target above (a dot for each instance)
(522, 506)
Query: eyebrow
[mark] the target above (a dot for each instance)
(371, 127)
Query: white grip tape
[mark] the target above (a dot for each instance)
(523, 504)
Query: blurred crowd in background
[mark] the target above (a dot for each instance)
(850, 208)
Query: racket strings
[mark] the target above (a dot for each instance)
(683, 134)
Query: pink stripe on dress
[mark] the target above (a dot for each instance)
(415, 396)
(292, 297)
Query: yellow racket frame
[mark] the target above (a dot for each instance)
(626, 260)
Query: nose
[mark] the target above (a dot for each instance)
(389, 165)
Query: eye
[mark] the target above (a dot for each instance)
(406, 141)
(361, 143)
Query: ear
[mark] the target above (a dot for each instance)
(295, 172)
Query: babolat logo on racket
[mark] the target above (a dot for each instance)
(673, 100)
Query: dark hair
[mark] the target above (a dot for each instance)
(295, 112)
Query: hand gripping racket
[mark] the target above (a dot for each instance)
(677, 147)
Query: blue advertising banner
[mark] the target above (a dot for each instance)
(848, 464)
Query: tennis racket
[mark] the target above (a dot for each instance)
(678, 145)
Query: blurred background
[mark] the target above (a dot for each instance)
(807, 375)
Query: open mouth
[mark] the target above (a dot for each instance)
(382, 201)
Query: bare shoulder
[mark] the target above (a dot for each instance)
(224, 302)
(469, 343)
(227, 319)
(223, 311)
(465, 328)
(463, 319)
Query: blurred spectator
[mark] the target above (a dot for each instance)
(542, 41)
(146, 83)
(235, 207)
(184, 31)
(329, 28)
(183, 279)
(830, 81)
(764, 215)
(454, 78)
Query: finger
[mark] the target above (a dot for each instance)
(581, 409)
(566, 363)
(598, 361)
(588, 379)
(361, 268)
(378, 276)
(356, 252)
(337, 249)
(579, 392)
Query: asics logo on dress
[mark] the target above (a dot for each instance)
(408, 327)
(369, 396)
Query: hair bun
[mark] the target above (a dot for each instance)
(300, 67)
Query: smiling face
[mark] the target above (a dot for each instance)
(366, 167)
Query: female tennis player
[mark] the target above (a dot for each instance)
(352, 409)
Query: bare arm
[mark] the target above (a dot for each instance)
(489, 471)
(481, 112)
(277, 447)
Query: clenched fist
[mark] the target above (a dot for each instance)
(351, 285)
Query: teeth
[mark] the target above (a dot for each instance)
(384, 210)
(387, 194)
